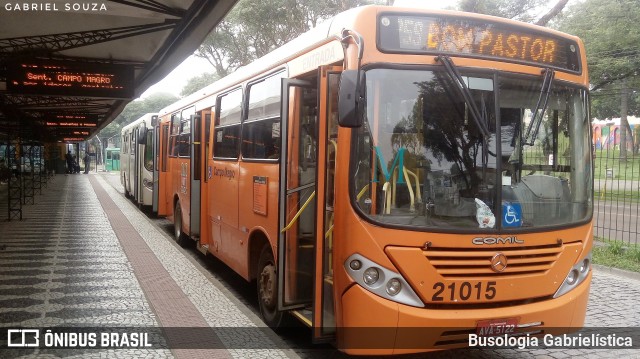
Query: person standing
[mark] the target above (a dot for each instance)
(87, 162)
(70, 164)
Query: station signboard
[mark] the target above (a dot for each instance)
(71, 120)
(62, 78)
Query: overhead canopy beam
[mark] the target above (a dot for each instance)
(154, 6)
(151, 37)
(47, 44)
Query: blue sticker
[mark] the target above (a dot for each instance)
(511, 214)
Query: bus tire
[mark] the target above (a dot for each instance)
(178, 234)
(267, 282)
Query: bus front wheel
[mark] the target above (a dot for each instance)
(268, 289)
(178, 234)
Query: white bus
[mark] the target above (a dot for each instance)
(137, 160)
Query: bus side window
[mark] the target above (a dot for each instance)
(174, 135)
(261, 130)
(227, 131)
(207, 132)
(184, 140)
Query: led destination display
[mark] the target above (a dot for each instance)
(417, 34)
(71, 79)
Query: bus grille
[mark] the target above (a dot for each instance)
(457, 262)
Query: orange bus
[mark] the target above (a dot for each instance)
(397, 179)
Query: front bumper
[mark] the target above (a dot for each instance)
(373, 325)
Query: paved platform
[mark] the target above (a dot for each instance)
(85, 256)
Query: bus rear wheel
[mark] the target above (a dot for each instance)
(178, 234)
(268, 289)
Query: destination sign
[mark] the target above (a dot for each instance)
(61, 78)
(78, 133)
(70, 124)
(464, 37)
(71, 120)
(74, 117)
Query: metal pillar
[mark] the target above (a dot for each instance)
(26, 173)
(45, 164)
(36, 168)
(14, 187)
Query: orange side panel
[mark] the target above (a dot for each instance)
(369, 325)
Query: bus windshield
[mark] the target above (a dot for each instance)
(422, 160)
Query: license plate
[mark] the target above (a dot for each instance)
(494, 327)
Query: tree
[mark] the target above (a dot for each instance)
(611, 32)
(198, 82)
(256, 27)
(134, 110)
(521, 10)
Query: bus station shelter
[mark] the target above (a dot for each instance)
(67, 69)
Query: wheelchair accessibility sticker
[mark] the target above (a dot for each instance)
(511, 214)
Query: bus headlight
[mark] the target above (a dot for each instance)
(381, 281)
(355, 264)
(572, 277)
(577, 274)
(586, 264)
(394, 286)
(371, 276)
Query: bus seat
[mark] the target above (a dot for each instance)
(544, 186)
(543, 198)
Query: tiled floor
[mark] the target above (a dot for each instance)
(82, 257)
(86, 256)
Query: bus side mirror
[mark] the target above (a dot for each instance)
(351, 99)
(154, 121)
(142, 135)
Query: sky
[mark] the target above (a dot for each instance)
(193, 66)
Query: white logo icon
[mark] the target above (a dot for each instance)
(20, 338)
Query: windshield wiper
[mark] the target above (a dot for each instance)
(534, 123)
(453, 73)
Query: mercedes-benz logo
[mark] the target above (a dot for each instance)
(499, 262)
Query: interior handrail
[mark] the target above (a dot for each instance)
(295, 218)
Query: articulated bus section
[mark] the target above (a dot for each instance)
(392, 185)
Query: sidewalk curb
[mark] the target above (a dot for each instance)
(616, 271)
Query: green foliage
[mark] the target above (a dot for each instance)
(613, 254)
(616, 248)
(611, 33)
(256, 27)
(135, 109)
(198, 82)
(634, 254)
(610, 158)
(522, 10)
(605, 103)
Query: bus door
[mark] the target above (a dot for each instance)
(155, 124)
(213, 220)
(205, 229)
(134, 163)
(163, 176)
(141, 143)
(195, 175)
(302, 252)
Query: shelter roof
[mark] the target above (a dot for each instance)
(68, 68)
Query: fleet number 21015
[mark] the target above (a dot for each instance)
(463, 291)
